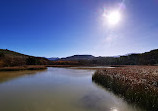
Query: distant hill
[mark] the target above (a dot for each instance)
(53, 58)
(78, 57)
(147, 58)
(125, 54)
(12, 58)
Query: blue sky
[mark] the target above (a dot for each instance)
(60, 28)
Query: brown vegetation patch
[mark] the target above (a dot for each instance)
(138, 84)
(17, 68)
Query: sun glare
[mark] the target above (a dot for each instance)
(113, 17)
(114, 109)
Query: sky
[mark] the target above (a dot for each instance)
(60, 28)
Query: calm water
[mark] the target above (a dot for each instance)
(56, 89)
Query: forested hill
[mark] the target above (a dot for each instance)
(78, 57)
(11, 58)
(147, 58)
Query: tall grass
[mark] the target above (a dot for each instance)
(27, 67)
(137, 84)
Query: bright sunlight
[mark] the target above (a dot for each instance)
(112, 17)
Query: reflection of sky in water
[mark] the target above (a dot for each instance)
(58, 89)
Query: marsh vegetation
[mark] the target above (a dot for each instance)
(137, 84)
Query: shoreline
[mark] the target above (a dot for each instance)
(40, 67)
(20, 68)
(136, 84)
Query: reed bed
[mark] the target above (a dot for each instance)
(28, 67)
(137, 84)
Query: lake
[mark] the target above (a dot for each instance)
(57, 89)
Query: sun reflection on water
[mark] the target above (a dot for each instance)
(114, 109)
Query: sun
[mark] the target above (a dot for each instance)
(112, 17)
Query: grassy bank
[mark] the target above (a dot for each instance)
(28, 67)
(137, 84)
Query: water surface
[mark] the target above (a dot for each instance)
(56, 89)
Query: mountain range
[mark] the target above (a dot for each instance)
(12, 58)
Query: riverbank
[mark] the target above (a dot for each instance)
(19, 68)
(137, 84)
(39, 67)
(62, 66)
